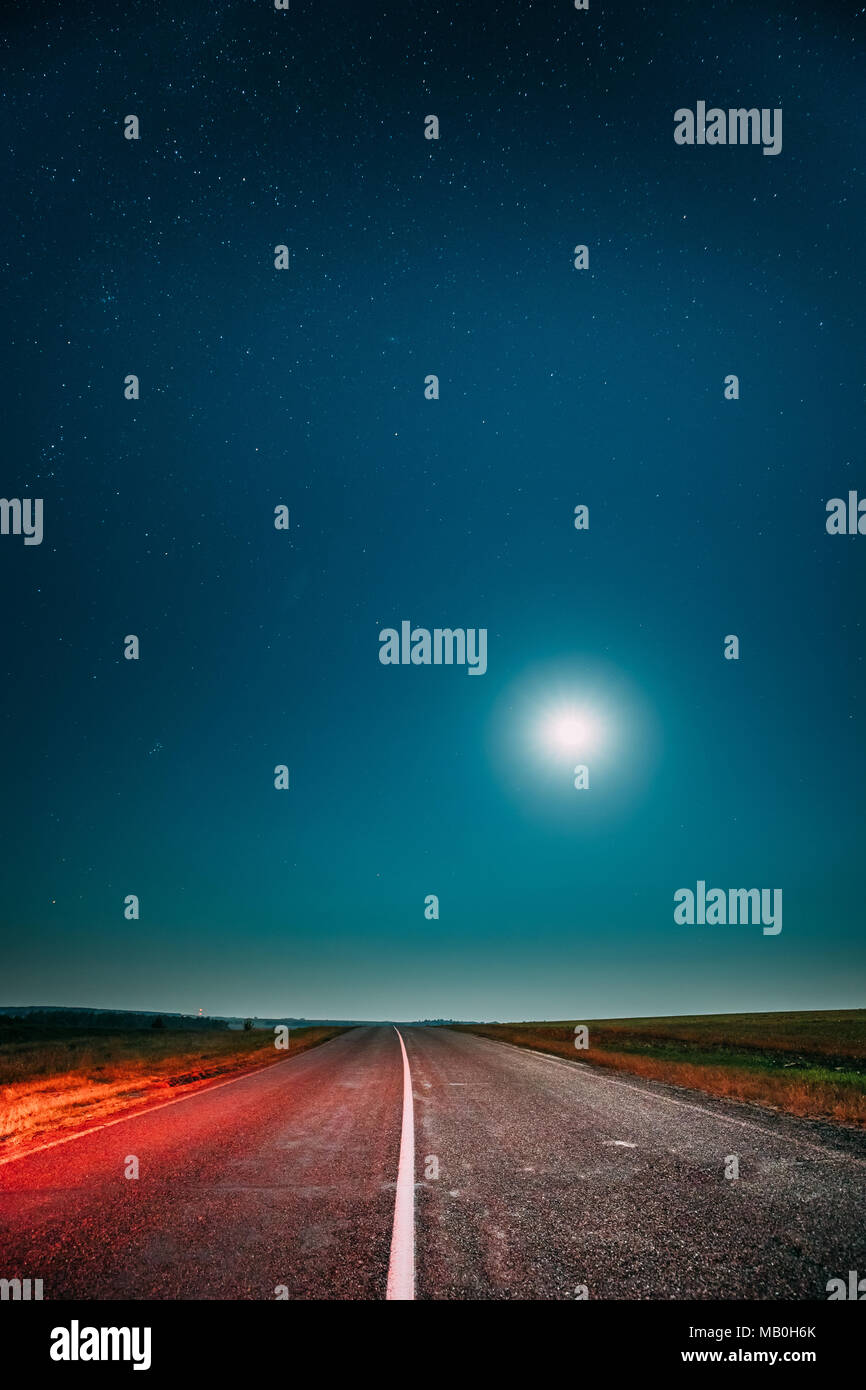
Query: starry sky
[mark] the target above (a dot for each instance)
(558, 387)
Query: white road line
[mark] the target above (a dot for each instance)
(401, 1267)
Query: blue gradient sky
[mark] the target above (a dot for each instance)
(306, 388)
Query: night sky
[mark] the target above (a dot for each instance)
(305, 387)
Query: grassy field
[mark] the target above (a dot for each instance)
(810, 1064)
(54, 1081)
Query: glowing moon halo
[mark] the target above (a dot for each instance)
(569, 731)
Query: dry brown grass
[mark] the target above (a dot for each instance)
(51, 1088)
(807, 1065)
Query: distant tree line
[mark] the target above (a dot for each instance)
(105, 1020)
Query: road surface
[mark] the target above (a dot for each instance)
(533, 1178)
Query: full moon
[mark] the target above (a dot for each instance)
(569, 731)
(566, 715)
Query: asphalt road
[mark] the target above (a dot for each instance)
(534, 1179)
